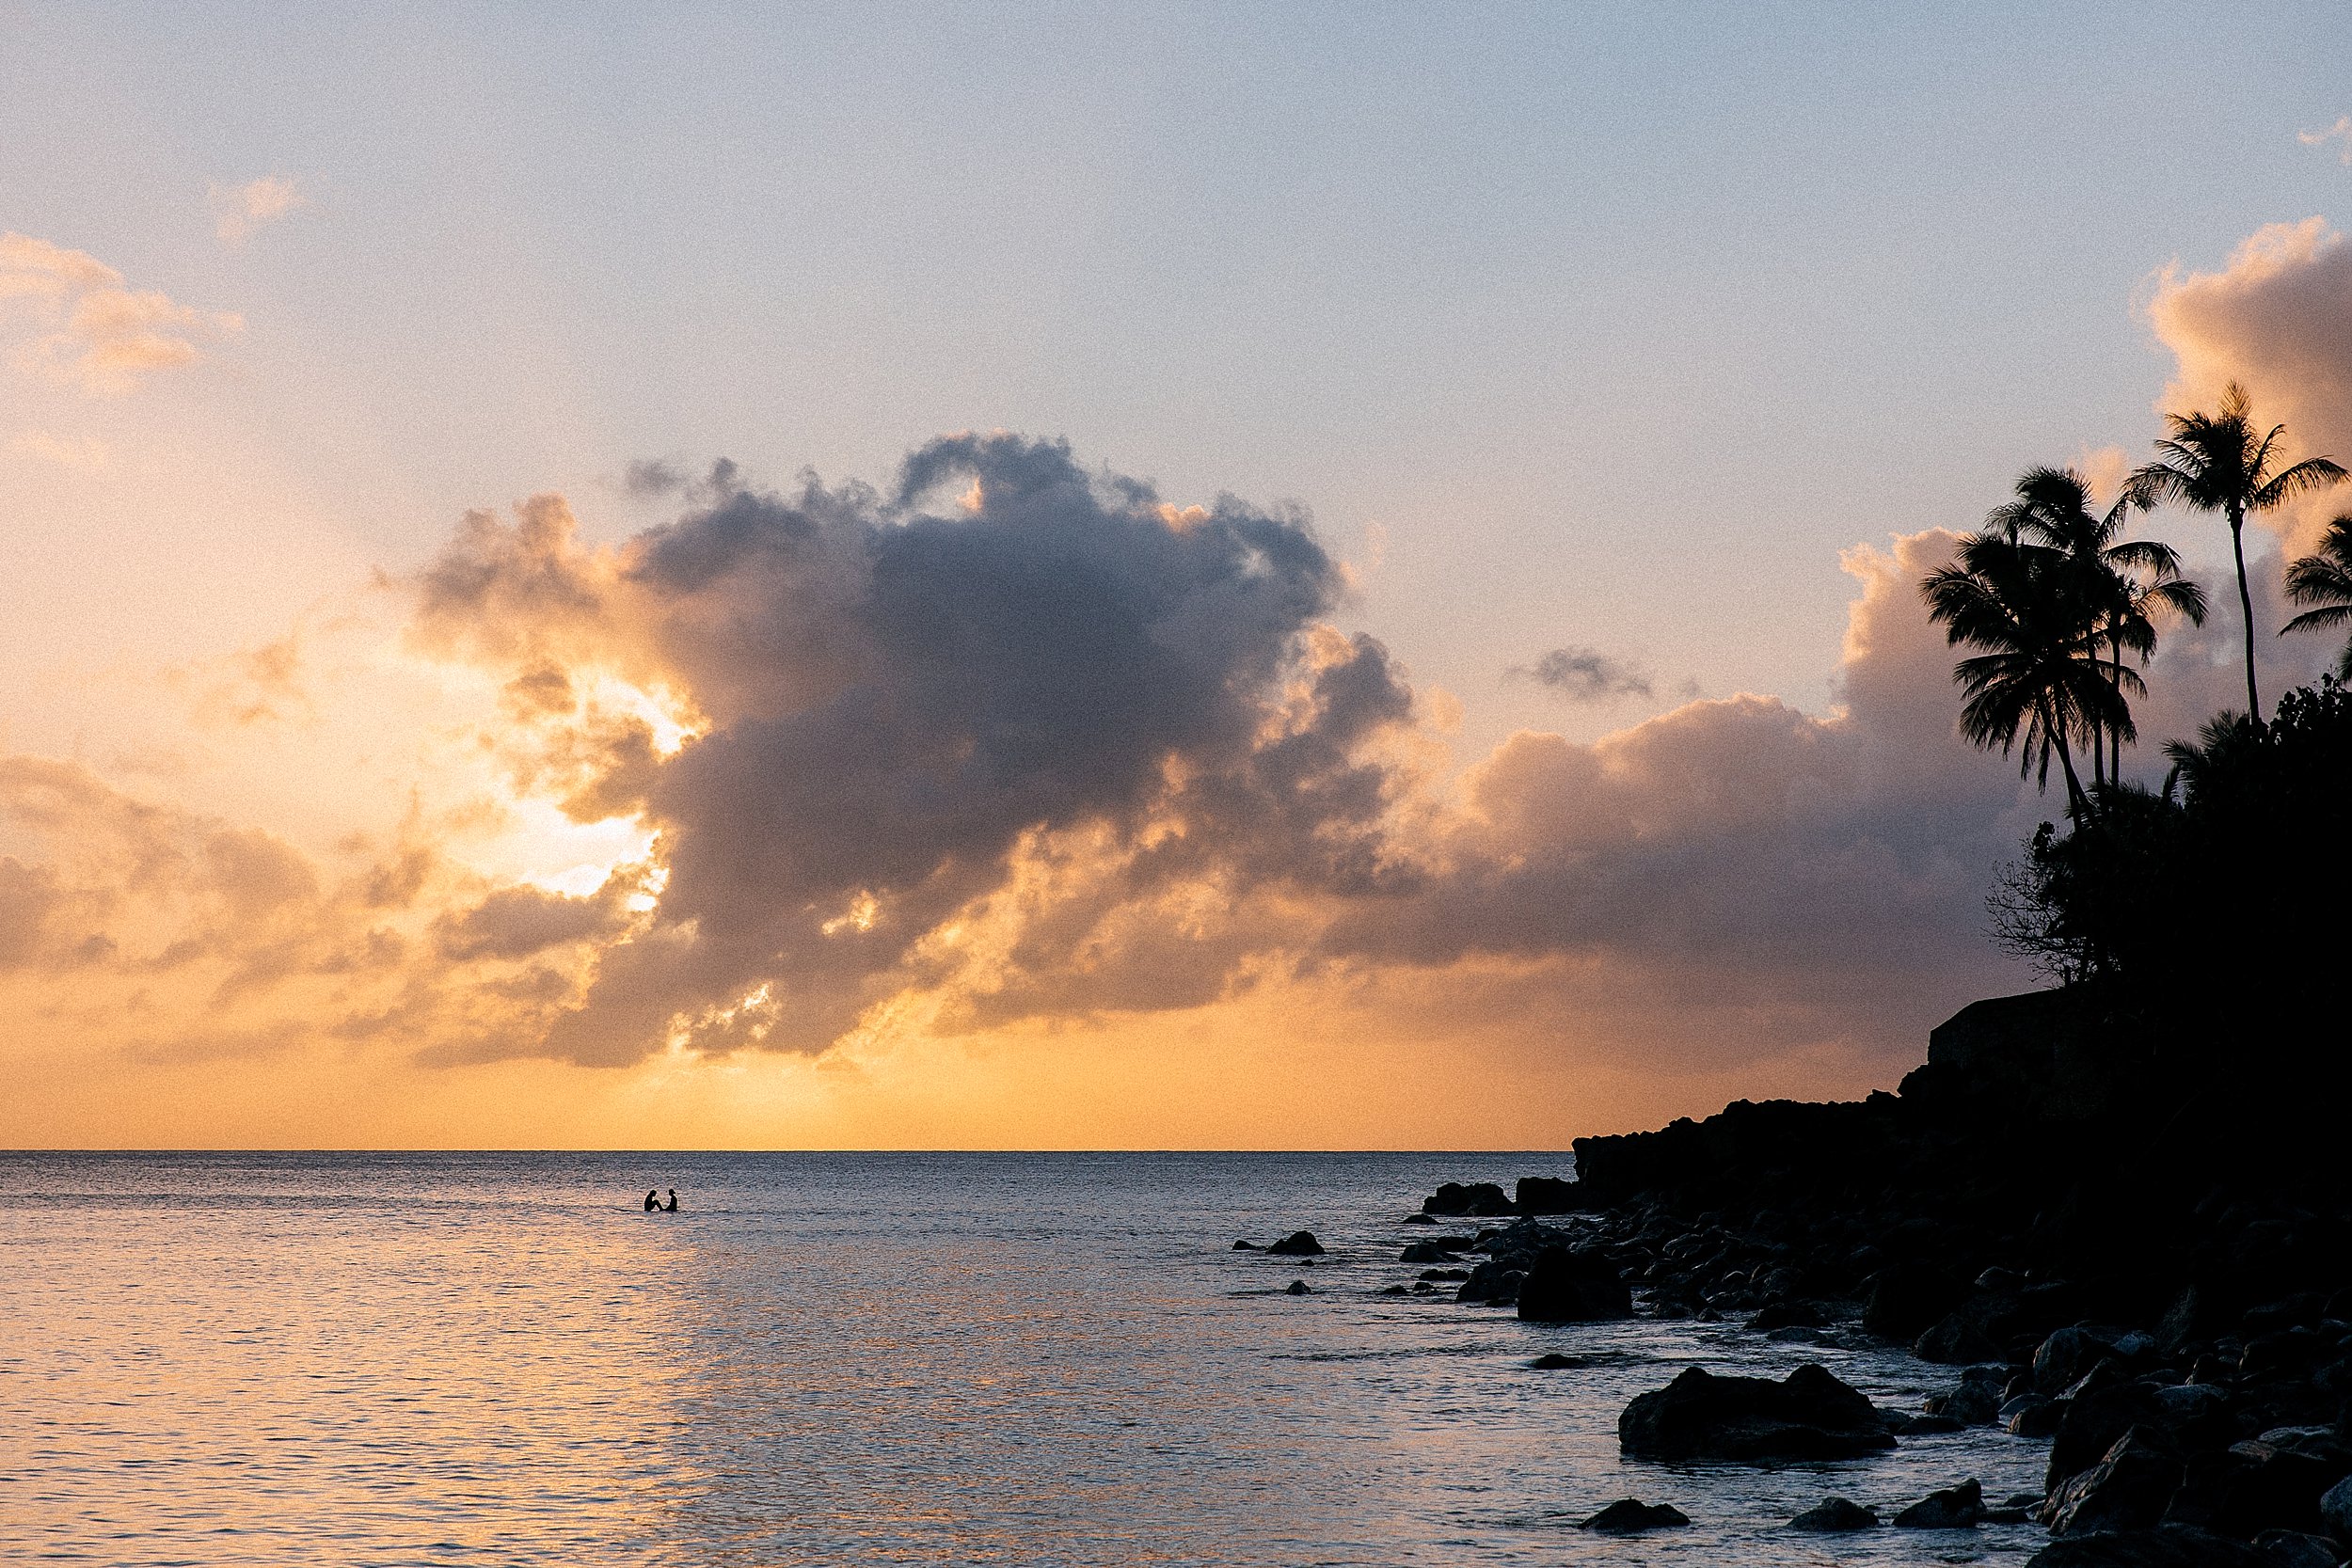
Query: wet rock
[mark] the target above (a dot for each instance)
(1976, 1401)
(1832, 1514)
(1424, 1252)
(1959, 1507)
(2287, 1548)
(1246, 1246)
(1631, 1516)
(2065, 1356)
(1421, 1219)
(1395, 1291)
(2127, 1489)
(1811, 1414)
(1493, 1281)
(2092, 1422)
(2166, 1546)
(1298, 1244)
(1298, 1288)
(1553, 1361)
(1954, 1341)
(1545, 1195)
(1905, 1423)
(1906, 1299)
(2335, 1510)
(1564, 1287)
(1445, 1276)
(1788, 1314)
(1480, 1200)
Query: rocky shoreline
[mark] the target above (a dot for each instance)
(2145, 1267)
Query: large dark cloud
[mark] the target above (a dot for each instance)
(905, 688)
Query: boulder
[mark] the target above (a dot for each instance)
(1788, 1314)
(1493, 1281)
(2335, 1510)
(1835, 1514)
(1564, 1287)
(1552, 1361)
(2127, 1489)
(1976, 1400)
(1959, 1507)
(2066, 1356)
(1246, 1246)
(1480, 1200)
(1631, 1516)
(1811, 1414)
(1545, 1195)
(2032, 1416)
(2091, 1420)
(1298, 1288)
(1954, 1341)
(2287, 1548)
(1298, 1244)
(2166, 1546)
(2255, 1486)
(1421, 1219)
(1424, 1252)
(1906, 1299)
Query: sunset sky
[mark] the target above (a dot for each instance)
(1013, 576)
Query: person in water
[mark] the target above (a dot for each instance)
(652, 1200)
(671, 1207)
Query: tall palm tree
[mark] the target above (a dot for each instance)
(2326, 579)
(2038, 673)
(2118, 583)
(2217, 462)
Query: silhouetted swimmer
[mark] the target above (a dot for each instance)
(671, 1207)
(653, 1200)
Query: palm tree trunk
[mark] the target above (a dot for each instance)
(2117, 739)
(2078, 803)
(2245, 608)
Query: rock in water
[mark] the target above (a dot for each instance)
(1631, 1516)
(2286, 1548)
(2127, 1490)
(1298, 1244)
(1959, 1507)
(1564, 1287)
(1751, 1420)
(1298, 1288)
(1479, 1199)
(1832, 1514)
(1544, 1195)
(2166, 1546)
(1246, 1246)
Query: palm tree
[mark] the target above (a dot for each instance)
(2118, 583)
(2325, 580)
(2218, 463)
(2038, 673)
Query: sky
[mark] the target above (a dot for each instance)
(1018, 575)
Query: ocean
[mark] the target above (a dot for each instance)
(846, 1359)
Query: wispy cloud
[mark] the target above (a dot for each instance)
(239, 210)
(90, 328)
(2340, 132)
(1586, 675)
(84, 454)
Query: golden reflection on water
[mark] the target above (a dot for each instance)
(830, 1361)
(278, 1376)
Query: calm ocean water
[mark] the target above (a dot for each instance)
(840, 1359)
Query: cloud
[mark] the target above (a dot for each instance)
(900, 702)
(1586, 675)
(83, 455)
(2340, 132)
(2279, 319)
(89, 326)
(239, 210)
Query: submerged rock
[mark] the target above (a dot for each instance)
(1298, 1288)
(1811, 1414)
(1834, 1514)
(1298, 1244)
(1959, 1507)
(1564, 1287)
(1631, 1516)
(1246, 1246)
(2166, 1546)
